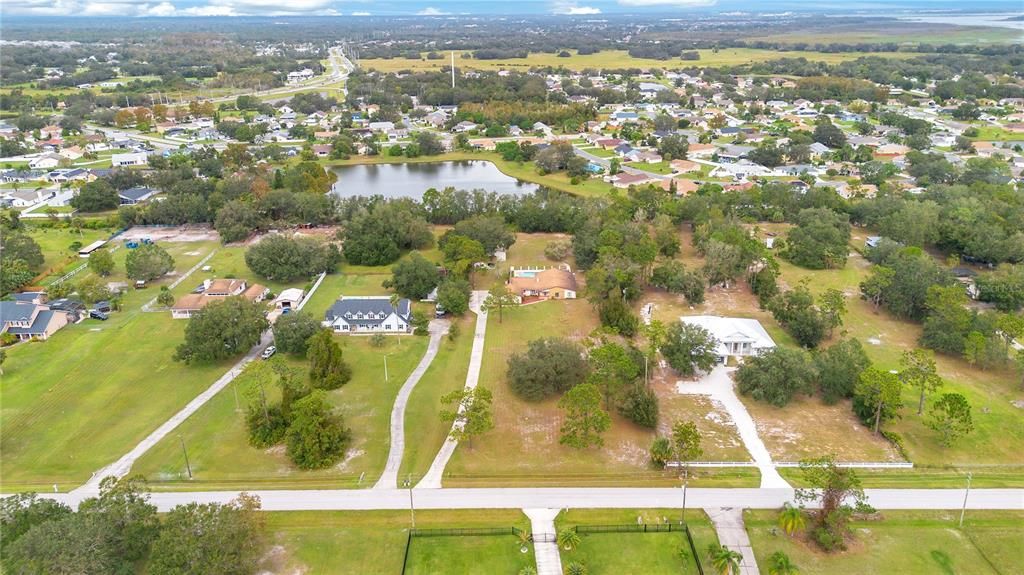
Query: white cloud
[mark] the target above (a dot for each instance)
(431, 11)
(571, 8)
(360, 13)
(166, 8)
(677, 3)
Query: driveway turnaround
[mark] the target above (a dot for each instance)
(432, 479)
(569, 498)
(719, 386)
(389, 479)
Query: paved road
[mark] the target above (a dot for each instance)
(432, 479)
(572, 497)
(389, 479)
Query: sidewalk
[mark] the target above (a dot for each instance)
(545, 540)
(733, 534)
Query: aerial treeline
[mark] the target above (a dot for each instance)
(434, 88)
(955, 75)
(119, 530)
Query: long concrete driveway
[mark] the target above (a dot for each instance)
(432, 479)
(719, 386)
(389, 479)
(571, 497)
(122, 466)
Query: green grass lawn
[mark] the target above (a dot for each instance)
(81, 399)
(661, 167)
(617, 59)
(904, 542)
(373, 542)
(55, 243)
(599, 152)
(222, 458)
(648, 553)
(425, 433)
(992, 133)
(483, 555)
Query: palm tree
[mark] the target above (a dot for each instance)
(527, 571)
(576, 568)
(568, 539)
(779, 564)
(724, 560)
(791, 519)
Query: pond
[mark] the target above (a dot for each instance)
(411, 180)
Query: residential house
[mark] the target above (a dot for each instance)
(369, 314)
(216, 290)
(44, 162)
(136, 195)
(130, 159)
(684, 166)
(734, 337)
(26, 320)
(542, 283)
(625, 179)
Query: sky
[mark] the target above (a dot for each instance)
(580, 8)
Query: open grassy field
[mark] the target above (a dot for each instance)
(216, 435)
(373, 542)
(55, 244)
(614, 59)
(999, 428)
(903, 542)
(648, 553)
(81, 399)
(988, 132)
(523, 448)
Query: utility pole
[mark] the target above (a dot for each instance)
(385, 368)
(966, 493)
(188, 466)
(686, 480)
(453, 76)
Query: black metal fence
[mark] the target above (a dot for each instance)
(466, 532)
(458, 532)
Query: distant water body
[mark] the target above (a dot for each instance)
(410, 180)
(996, 20)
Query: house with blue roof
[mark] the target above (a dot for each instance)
(25, 319)
(369, 314)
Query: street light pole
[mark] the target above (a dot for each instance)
(385, 368)
(966, 493)
(188, 466)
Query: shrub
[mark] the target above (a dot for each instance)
(640, 405)
(549, 366)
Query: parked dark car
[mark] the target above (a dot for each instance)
(96, 314)
(103, 306)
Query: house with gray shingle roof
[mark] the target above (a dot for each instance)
(369, 314)
(29, 320)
